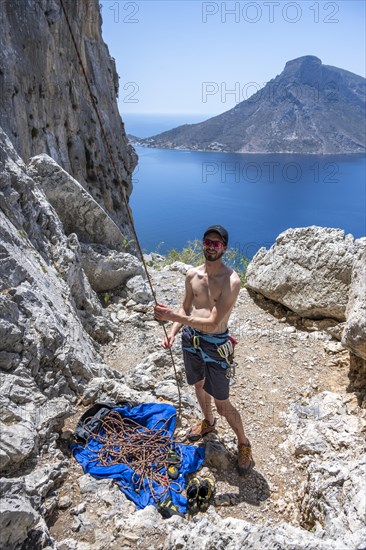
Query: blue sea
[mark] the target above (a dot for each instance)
(177, 194)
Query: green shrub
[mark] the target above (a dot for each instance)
(235, 259)
(191, 254)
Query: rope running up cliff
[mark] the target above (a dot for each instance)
(118, 178)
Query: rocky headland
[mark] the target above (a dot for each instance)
(310, 108)
(76, 327)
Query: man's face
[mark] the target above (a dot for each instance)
(213, 247)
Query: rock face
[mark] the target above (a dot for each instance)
(308, 270)
(308, 108)
(48, 360)
(48, 109)
(354, 334)
(326, 436)
(46, 302)
(230, 533)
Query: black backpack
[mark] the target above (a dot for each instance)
(90, 420)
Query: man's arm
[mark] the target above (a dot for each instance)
(212, 323)
(185, 309)
(187, 303)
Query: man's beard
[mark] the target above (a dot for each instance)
(213, 257)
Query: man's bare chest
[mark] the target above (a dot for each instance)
(205, 291)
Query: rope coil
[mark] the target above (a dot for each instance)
(144, 450)
(120, 182)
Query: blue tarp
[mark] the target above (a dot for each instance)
(151, 415)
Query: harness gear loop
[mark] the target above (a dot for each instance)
(225, 351)
(196, 341)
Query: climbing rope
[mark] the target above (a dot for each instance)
(118, 179)
(144, 450)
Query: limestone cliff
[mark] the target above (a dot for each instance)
(44, 101)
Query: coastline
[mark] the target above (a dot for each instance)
(319, 153)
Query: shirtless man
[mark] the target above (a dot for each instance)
(211, 291)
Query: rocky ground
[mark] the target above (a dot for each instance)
(282, 367)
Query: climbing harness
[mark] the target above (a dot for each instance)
(119, 181)
(224, 343)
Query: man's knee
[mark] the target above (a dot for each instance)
(223, 407)
(199, 385)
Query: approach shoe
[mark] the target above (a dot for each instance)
(200, 429)
(205, 491)
(192, 495)
(245, 460)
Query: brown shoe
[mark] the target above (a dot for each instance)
(245, 459)
(200, 429)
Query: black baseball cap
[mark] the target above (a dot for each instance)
(220, 231)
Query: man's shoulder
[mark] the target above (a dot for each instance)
(231, 275)
(192, 271)
(236, 283)
(195, 270)
(234, 277)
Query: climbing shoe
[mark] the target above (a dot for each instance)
(174, 463)
(245, 460)
(200, 429)
(192, 494)
(173, 457)
(167, 509)
(205, 491)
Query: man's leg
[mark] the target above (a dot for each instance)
(207, 425)
(205, 401)
(245, 458)
(227, 410)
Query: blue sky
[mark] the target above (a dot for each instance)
(186, 56)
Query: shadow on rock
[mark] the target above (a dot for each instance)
(253, 488)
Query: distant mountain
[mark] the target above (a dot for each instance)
(308, 108)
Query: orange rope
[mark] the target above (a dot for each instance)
(118, 178)
(144, 450)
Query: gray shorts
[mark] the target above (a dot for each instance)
(214, 375)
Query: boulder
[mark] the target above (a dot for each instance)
(308, 270)
(17, 515)
(138, 290)
(178, 266)
(216, 455)
(354, 334)
(76, 208)
(107, 269)
(17, 443)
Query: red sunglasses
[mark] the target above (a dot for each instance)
(215, 244)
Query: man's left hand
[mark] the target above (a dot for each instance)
(163, 313)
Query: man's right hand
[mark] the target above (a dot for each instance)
(168, 342)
